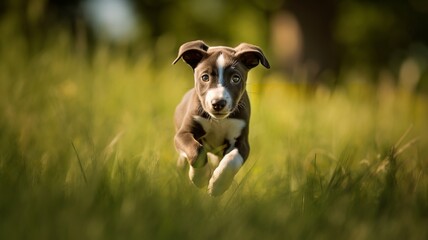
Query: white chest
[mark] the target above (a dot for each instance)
(219, 131)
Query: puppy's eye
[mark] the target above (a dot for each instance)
(236, 79)
(205, 78)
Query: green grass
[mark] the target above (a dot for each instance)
(86, 152)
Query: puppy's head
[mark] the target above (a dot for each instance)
(220, 73)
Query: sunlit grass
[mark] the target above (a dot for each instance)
(87, 152)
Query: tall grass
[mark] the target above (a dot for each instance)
(86, 153)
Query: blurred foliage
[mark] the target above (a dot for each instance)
(337, 37)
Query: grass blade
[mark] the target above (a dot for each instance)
(80, 163)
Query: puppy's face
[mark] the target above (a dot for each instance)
(220, 81)
(220, 74)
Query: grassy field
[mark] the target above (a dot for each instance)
(86, 152)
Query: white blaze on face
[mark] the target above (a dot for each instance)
(220, 92)
(220, 65)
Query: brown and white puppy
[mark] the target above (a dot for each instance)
(212, 120)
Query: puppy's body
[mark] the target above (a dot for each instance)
(212, 120)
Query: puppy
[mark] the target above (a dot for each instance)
(212, 120)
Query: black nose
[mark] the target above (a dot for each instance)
(218, 105)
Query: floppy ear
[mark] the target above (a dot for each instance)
(192, 52)
(251, 55)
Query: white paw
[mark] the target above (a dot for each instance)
(223, 175)
(182, 162)
(200, 176)
(219, 183)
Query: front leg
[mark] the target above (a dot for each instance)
(223, 175)
(196, 155)
(232, 161)
(191, 149)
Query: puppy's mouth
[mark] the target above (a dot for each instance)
(219, 115)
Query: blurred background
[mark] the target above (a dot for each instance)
(339, 133)
(306, 40)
